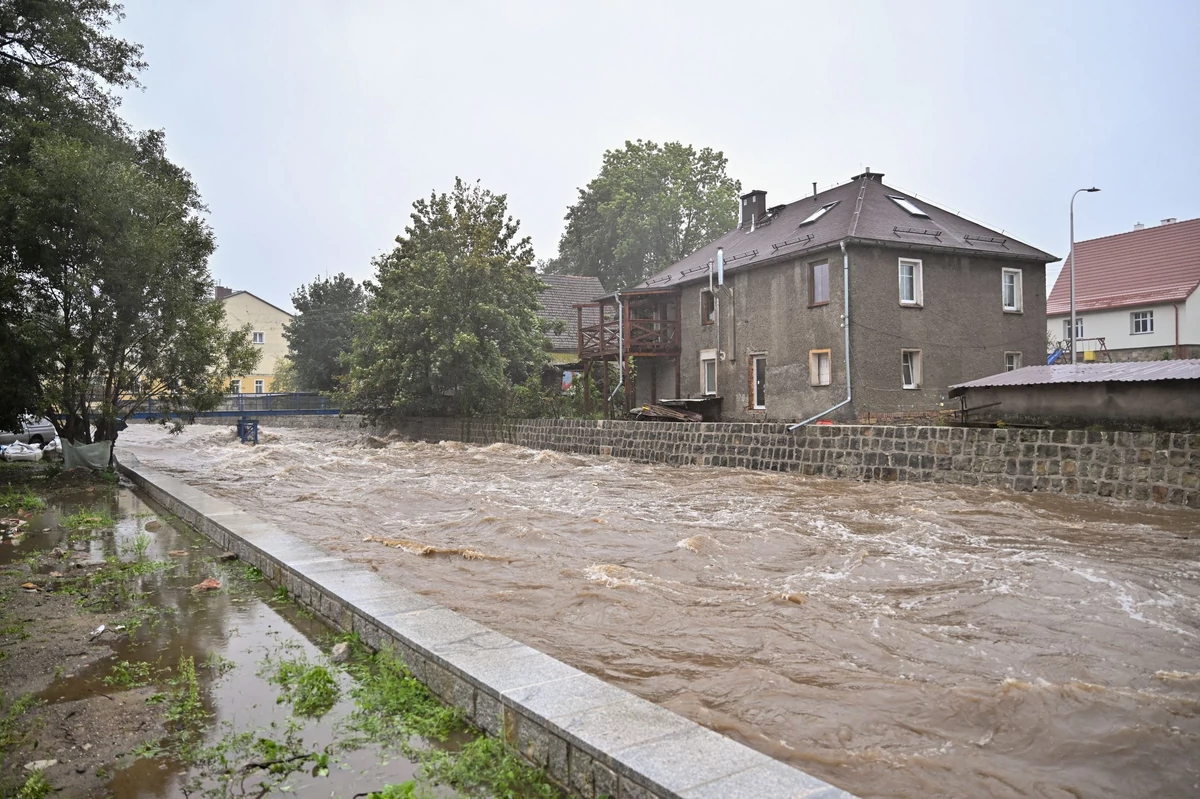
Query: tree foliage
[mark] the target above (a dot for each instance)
(650, 206)
(321, 335)
(452, 323)
(105, 291)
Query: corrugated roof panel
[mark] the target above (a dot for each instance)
(1089, 373)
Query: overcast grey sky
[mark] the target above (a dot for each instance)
(310, 126)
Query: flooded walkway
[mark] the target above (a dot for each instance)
(895, 640)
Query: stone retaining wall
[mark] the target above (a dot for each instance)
(1154, 467)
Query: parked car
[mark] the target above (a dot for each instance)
(33, 431)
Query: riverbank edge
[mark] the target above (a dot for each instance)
(591, 738)
(1156, 468)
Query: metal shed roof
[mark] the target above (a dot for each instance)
(1087, 373)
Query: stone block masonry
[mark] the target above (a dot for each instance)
(591, 738)
(1151, 467)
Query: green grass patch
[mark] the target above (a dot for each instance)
(15, 499)
(88, 520)
(13, 730)
(125, 674)
(35, 787)
(311, 689)
(485, 764)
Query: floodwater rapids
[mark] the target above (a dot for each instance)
(896, 640)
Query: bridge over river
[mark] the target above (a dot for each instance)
(896, 640)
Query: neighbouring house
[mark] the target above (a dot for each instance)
(1161, 395)
(558, 301)
(753, 326)
(1136, 295)
(266, 333)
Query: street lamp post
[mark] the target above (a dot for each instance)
(1071, 337)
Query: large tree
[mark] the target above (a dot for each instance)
(650, 206)
(111, 255)
(321, 335)
(452, 323)
(58, 63)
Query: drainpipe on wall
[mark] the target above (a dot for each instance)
(1178, 351)
(846, 343)
(620, 348)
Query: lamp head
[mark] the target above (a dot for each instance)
(1093, 188)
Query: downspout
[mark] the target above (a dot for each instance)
(620, 348)
(1178, 355)
(846, 343)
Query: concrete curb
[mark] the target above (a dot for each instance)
(589, 737)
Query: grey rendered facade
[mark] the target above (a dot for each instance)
(773, 346)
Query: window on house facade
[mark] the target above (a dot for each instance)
(259, 386)
(910, 282)
(1141, 322)
(258, 337)
(235, 386)
(910, 368)
(818, 282)
(820, 212)
(708, 372)
(818, 367)
(1012, 361)
(1078, 328)
(708, 307)
(758, 381)
(1011, 289)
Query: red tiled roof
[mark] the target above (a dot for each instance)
(1142, 267)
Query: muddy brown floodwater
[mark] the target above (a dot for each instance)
(896, 640)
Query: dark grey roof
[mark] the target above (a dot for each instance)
(876, 219)
(563, 291)
(1087, 373)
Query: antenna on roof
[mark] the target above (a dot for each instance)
(814, 191)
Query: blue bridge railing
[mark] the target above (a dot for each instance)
(299, 403)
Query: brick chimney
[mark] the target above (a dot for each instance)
(754, 205)
(223, 292)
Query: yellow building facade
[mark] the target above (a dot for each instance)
(266, 325)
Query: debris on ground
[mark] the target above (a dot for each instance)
(208, 584)
(30, 587)
(340, 653)
(40, 765)
(227, 556)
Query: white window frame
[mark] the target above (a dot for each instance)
(235, 386)
(755, 359)
(1018, 289)
(1012, 361)
(918, 290)
(258, 337)
(707, 356)
(914, 367)
(815, 377)
(260, 386)
(812, 285)
(1078, 328)
(1146, 317)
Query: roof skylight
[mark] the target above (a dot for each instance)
(820, 212)
(907, 205)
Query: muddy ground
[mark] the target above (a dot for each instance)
(47, 625)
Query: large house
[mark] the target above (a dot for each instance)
(266, 333)
(1136, 295)
(859, 301)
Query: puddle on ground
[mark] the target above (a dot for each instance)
(229, 633)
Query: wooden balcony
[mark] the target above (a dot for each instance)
(651, 326)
